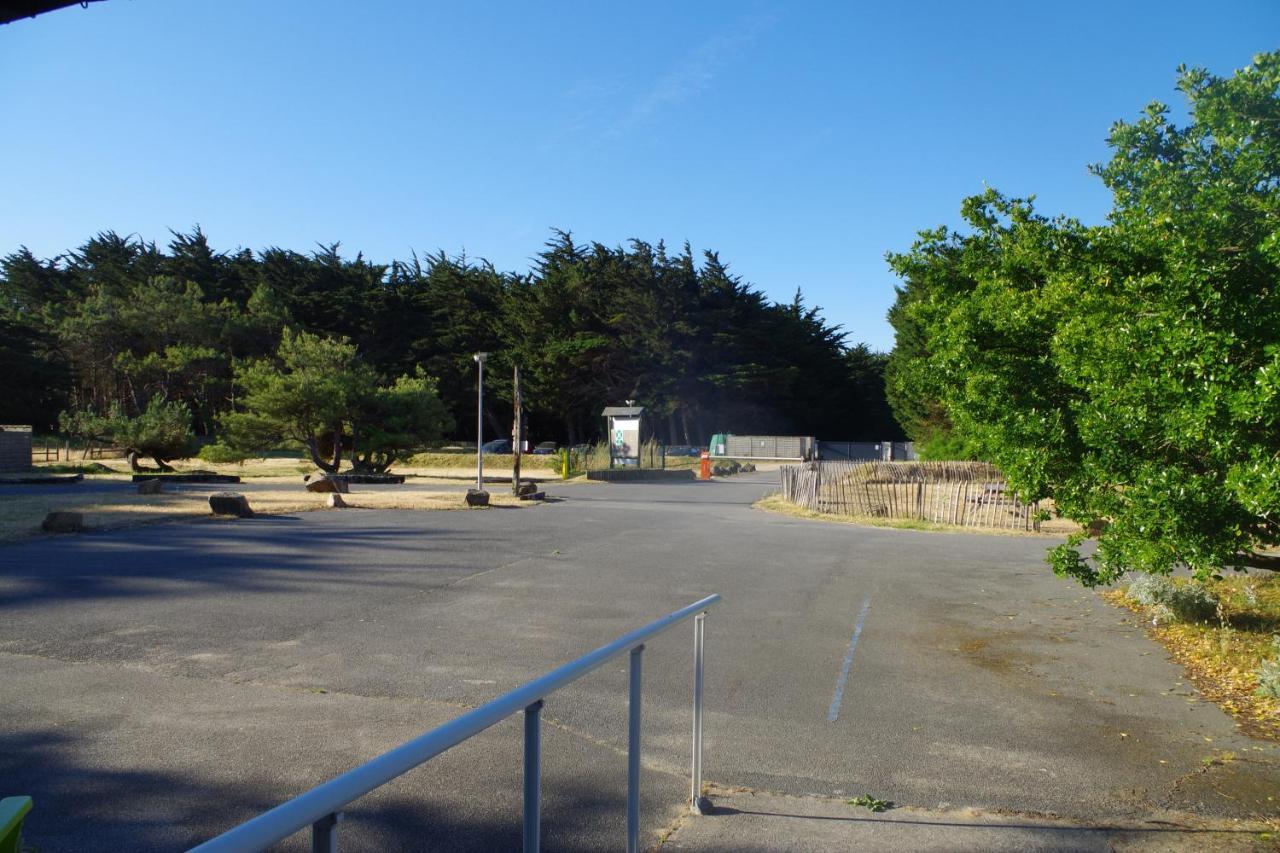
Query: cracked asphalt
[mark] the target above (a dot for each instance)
(164, 683)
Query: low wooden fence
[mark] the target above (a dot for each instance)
(51, 451)
(965, 494)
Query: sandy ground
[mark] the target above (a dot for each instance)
(111, 502)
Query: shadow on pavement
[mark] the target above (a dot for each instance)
(81, 807)
(268, 553)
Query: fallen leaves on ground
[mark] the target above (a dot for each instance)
(1222, 660)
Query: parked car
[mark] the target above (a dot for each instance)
(498, 445)
(683, 450)
(545, 448)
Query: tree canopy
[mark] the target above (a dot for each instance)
(119, 321)
(162, 430)
(319, 392)
(1130, 371)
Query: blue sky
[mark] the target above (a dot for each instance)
(801, 140)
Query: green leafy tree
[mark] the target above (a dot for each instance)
(34, 377)
(398, 421)
(119, 321)
(911, 387)
(1129, 371)
(161, 431)
(318, 391)
(866, 378)
(436, 314)
(308, 393)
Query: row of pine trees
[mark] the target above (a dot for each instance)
(120, 321)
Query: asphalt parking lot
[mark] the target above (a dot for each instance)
(165, 683)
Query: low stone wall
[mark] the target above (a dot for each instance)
(15, 448)
(642, 475)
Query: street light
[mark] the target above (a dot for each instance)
(480, 357)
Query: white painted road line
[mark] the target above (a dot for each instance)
(834, 710)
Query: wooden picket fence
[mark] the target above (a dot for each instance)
(52, 451)
(964, 494)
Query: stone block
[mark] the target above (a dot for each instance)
(477, 497)
(329, 484)
(230, 503)
(62, 521)
(150, 487)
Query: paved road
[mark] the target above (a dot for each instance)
(166, 682)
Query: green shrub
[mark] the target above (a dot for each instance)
(1169, 601)
(220, 454)
(1269, 673)
(946, 445)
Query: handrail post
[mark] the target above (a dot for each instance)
(533, 777)
(695, 797)
(321, 807)
(633, 754)
(324, 833)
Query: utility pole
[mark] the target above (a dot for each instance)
(480, 357)
(517, 429)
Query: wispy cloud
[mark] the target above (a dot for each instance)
(693, 75)
(587, 104)
(593, 104)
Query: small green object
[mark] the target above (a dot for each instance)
(12, 811)
(870, 803)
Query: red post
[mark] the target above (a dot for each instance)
(704, 472)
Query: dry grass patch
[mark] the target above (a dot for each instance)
(262, 466)
(777, 503)
(114, 469)
(266, 466)
(292, 467)
(440, 459)
(20, 516)
(1222, 656)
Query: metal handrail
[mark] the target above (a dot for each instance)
(321, 807)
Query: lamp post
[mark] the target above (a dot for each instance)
(480, 357)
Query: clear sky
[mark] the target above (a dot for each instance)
(800, 140)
